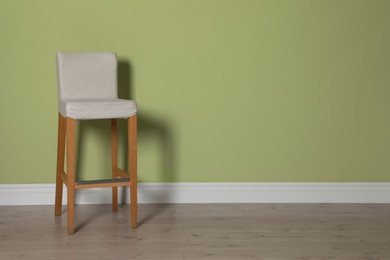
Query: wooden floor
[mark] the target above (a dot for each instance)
(200, 231)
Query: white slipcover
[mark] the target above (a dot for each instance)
(87, 86)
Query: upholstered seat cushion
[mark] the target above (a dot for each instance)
(97, 108)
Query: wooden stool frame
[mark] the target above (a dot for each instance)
(67, 134)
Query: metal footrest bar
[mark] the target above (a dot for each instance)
(102, 183)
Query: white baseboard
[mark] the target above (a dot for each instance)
(214, 192)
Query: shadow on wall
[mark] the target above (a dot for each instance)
(150, 127)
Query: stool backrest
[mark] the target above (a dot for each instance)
(87, 75)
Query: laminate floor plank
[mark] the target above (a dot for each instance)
(199, 231)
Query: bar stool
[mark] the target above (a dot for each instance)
(87, 89)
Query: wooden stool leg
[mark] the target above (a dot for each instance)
(114, 163)
(132, 149)
(70, 152)
(60, 163)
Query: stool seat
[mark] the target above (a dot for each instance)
(97, 108)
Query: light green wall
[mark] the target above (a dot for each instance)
(228, 90)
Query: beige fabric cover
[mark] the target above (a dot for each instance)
(87, 86)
